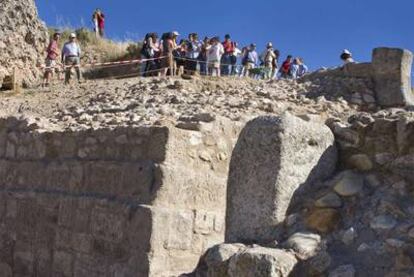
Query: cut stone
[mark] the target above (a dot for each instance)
(273, 157)
(392, 76)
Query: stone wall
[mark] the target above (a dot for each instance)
(385, 82)
(143, 201)
(23, 40)
(381, 141)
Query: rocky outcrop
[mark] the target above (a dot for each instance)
(272, 158)
(23, 39)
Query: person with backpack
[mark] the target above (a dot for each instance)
(193, 51)
(267, 58)
(214, 54)
(229, 58)
(286, 66)
(149, 50)
(250, 59)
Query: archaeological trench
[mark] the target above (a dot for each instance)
(280, 192)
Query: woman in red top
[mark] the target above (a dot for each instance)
(285, 69)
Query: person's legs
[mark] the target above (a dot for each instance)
(101, 32)
(233, 62)
(203, 67)
(76, 63)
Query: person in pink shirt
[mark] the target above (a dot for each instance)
(52, 54)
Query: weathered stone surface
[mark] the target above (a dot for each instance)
(392, 76)
(216, 260)
(273, 157)
(350, 183)
(323, 220)
(23, 39)
(361, 162)
(343, 271)
(260, 261)
(383, 222)
(305, 245)
(329, 200)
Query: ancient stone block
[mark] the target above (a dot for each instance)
(180, 230)
(392, 76)
(272, 158)
(260, 261)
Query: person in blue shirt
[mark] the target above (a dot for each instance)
(71, 58)
(303, 69)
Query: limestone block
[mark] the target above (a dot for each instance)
(214, 263)
(273, 157)
(392, 76)
(180, 230)
(106, 225)
(260, 261)
(305, 245)
(204, 222)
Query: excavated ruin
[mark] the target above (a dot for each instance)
(210, 176)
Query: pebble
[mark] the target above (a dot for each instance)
(349, 184)
(383, 222)
(330, 200)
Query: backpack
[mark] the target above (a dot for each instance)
(146, 48)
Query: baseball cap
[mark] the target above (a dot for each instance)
(72, 35)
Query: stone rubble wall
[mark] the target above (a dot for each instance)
(23, 40)
(381, 141)
(385, 82)
(145, 201)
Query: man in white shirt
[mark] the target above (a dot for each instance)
(71, 58)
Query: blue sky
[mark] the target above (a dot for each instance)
(316, 30)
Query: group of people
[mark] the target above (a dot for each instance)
(165, 56)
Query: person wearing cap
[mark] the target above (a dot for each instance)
(229, 58)
(346, 57)
(250, 59)
(52, 54)
(71, 57)
(268, 57)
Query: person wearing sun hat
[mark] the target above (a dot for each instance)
(71, 57)
(346, 57)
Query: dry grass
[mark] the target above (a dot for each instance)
(105, 49)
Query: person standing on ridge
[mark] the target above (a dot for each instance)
(193, 51)
(52, 55)
(250, 59)
(71, 58)
(98, 19)
(346, 57)
(286, 66)
(214, 53)
(202, 57)
(229, 58)
(268, 57)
